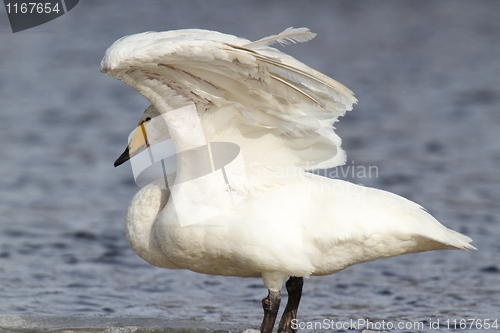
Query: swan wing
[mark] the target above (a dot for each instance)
(279, 111)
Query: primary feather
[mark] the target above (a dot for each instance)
(290, 35)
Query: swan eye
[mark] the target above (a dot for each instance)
(145, 120)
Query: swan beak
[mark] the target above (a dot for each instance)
(138, 144)
(123, 158)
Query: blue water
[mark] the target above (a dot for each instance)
(426, 75)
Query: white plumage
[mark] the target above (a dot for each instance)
(280, 113)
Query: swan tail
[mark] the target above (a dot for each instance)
(457, 241)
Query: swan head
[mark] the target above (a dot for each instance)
(150, 130)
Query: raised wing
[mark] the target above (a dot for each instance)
(278, 110)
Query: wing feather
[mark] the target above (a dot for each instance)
(278, 110)
(286, 37)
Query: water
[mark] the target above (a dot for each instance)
(426, 74)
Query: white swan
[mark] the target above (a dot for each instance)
(267, 217)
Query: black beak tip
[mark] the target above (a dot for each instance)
(123, 158)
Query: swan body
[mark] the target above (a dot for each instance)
(315, 226)
(212, 87)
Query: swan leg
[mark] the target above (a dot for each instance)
(294, 289)
(270, 304)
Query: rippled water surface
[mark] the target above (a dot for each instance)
(426, 75)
